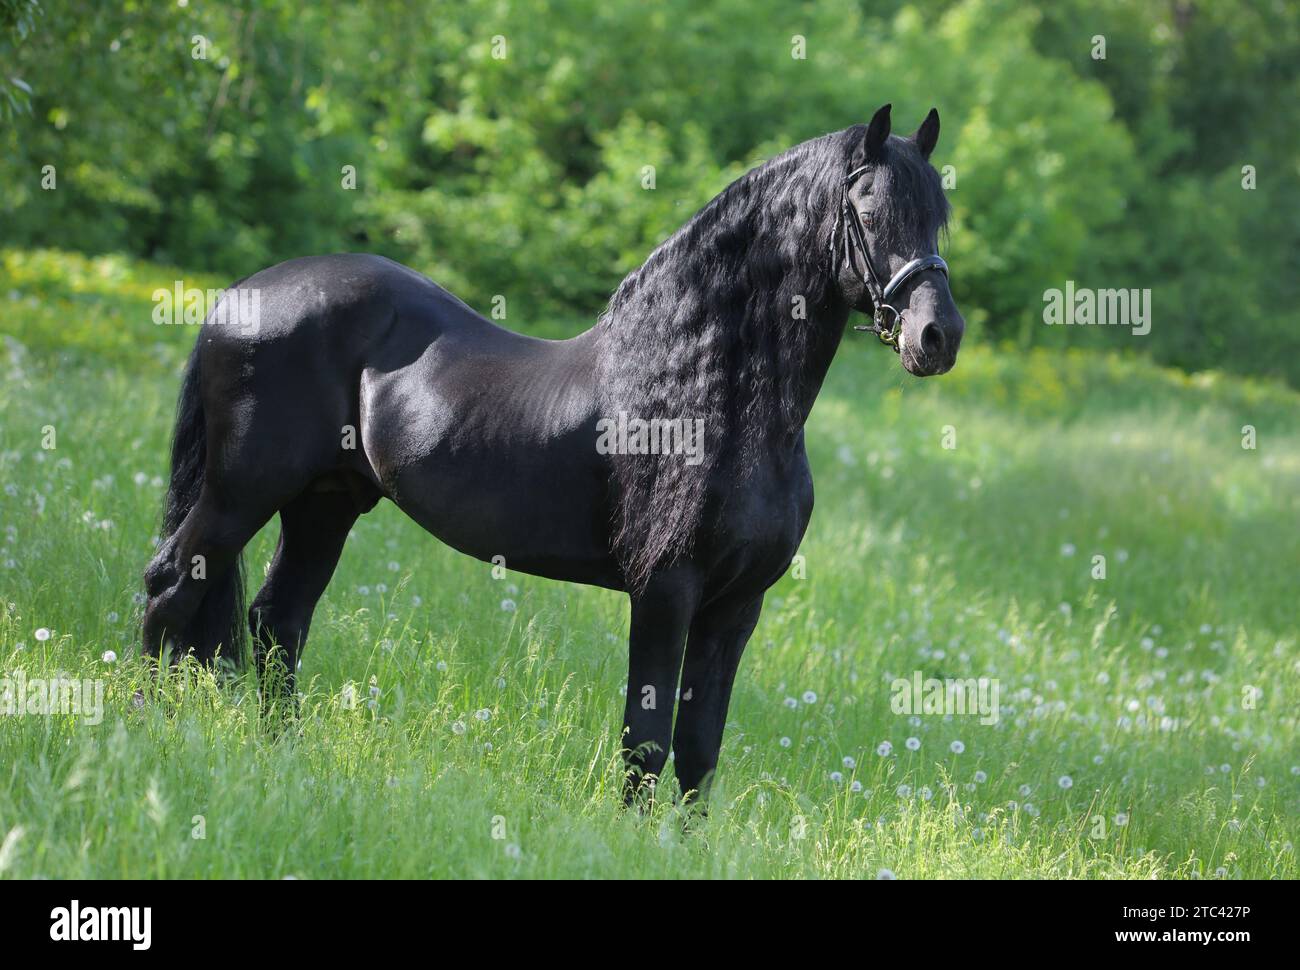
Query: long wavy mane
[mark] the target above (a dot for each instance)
(707, 328)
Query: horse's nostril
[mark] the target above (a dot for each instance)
(931, 340)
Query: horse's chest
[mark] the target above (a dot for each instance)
(760, 521)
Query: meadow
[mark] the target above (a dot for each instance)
(456, 723)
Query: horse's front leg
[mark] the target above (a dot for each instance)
(717, 639)
(661, 616)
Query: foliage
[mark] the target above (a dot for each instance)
(502, 147)
(17, 20)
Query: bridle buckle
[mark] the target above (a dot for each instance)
(888, 334)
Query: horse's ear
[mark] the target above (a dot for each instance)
(927, 136)
(877, 132)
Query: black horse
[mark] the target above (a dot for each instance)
(360, 379)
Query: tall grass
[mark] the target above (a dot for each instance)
(456, 724)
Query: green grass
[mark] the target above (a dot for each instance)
(970, 561)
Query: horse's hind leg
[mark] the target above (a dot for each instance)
(193, 566)
(313, 529)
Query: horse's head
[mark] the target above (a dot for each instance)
(885, 245)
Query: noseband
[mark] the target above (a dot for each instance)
(887, 320)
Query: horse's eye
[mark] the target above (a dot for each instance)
(866, 218)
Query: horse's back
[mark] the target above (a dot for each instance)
(357, 293)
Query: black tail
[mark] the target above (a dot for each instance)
(220, 619)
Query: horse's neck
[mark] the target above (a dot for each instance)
(830, 323)
(653, 362)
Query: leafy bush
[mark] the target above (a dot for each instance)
(504, 148)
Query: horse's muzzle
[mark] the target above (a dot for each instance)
(933, 351)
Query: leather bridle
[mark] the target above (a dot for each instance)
(880, 295)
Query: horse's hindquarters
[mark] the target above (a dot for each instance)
(358, 365)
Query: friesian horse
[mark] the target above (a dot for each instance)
(361, 379)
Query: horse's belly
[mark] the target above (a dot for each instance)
(489, 442)
(541, 511)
